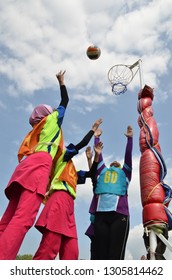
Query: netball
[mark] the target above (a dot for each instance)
(93, 52)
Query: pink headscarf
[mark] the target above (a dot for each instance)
(39, 113)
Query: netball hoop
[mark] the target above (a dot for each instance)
(121, 75)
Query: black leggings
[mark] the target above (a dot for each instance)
(111, 234)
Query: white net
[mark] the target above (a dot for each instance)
(118, 88)
(121, 75)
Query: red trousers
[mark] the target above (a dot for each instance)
(18, 218)
(53, 243)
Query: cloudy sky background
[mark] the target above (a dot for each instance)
(40, 38)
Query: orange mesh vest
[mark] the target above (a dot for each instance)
(31, 140)
(69, 175)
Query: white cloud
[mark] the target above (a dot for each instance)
(42, 40)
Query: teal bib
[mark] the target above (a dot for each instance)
(113, 181)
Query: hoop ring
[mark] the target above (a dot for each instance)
(120, 73)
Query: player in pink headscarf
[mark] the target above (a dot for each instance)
(28, 183)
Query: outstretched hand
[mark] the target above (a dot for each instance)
(60, 77)
(89, 153)
(129, 132)
(98, 132)
(98, 148)
(96, 124)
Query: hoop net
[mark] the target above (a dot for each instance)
(120, 76)
(119, 88)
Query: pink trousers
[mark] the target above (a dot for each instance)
(18, 218)
(53, 243)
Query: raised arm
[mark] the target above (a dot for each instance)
(84, 142)
(93, 170)
(89, 155)
(129, 148)
(72, 149)
(63, 90)
(98, 150)
(97, 135)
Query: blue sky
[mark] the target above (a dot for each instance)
(40, 38)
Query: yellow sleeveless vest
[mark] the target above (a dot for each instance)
(45, 136)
